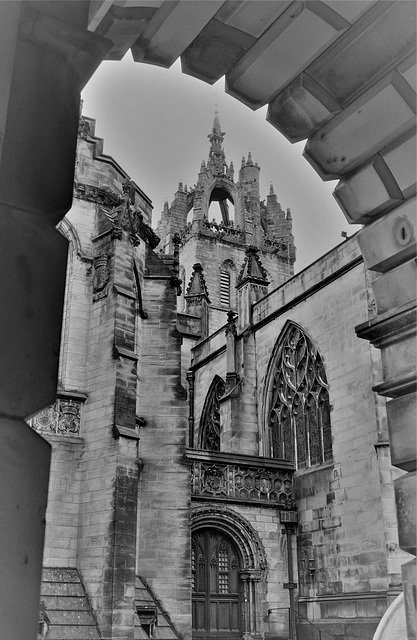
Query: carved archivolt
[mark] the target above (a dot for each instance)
(238, 529)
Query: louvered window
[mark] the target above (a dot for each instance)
(225, 289)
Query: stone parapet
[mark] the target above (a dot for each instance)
(240, 478)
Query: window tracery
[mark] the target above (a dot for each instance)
(210, 426)
(298, 416)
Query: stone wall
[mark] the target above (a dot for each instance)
(164, 522)
(340, 503)
(347, 543)
(63, 501)
(214, 254)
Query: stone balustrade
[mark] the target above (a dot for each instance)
(241, 478)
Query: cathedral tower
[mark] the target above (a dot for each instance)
(219, 243)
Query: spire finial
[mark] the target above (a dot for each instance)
(271, 189)
(217, 158)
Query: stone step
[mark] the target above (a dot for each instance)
(54, 574)
(63, 603)
(72, 633)
(61, 589)
(66, 606)
(80, 618)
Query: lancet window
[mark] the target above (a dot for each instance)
(210, 426)
(298, 415)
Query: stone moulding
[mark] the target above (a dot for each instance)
(62, 418)
(239, 529)
(237, 478)
(101, 196)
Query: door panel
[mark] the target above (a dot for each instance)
(216, 592)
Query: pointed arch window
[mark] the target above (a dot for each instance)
(210, 426)
(298, 414)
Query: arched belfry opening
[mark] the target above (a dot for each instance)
(221, 204)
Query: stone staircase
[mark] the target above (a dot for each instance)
(65, 606)
(151, 621)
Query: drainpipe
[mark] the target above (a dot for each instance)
(289, 531)
(190, 380)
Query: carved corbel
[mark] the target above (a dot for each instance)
(101, 276)
(232, 377)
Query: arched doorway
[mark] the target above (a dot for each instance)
(229, 585)
(217, 592)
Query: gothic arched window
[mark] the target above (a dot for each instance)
(298, 413)
(210, 418)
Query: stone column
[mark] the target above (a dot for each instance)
(232, 377)
(389, 248)
(47, 55)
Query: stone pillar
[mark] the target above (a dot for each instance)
(47, 55)
(232, 377)
(389, 249)
(191, 419)
(164, 539)
(251, 603)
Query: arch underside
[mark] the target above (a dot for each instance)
(339, 91)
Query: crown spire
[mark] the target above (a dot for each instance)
(217, 159)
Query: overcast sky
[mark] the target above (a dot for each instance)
(155, 124)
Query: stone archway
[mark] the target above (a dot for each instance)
(340, 87)
(253, 562)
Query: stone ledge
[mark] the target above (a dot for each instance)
(125, 432)
(124, 353)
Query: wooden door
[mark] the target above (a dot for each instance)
(216, 592)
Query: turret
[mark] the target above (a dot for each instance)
(252, 285)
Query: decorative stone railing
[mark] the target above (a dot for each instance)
(220, 229)
(241, 478)
(62, 418)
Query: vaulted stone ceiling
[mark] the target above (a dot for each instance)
(338, 73)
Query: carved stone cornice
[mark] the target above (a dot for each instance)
(392, 326)
(91, 193)
(63, 417)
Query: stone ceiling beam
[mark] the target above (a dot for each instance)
(173, 27)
